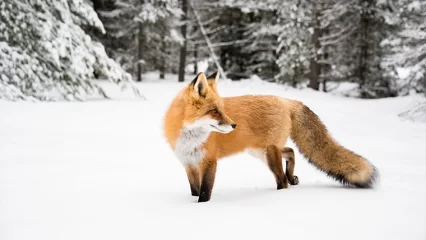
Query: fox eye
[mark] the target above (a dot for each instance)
(215, 111)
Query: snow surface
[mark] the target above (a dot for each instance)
(102, 170)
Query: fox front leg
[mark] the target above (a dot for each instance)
(194, 179)
(208, 173)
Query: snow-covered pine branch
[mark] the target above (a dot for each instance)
(45, 54)
(140, 35)
(407, 46)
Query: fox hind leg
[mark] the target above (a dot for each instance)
(194, 179)
(274, 161)
(288, 154)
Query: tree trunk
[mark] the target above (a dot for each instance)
(326, 66)
(195, 59)
(314, 66)
(362, 63)
(424, 85)
(163, 55)
(183, 48)
(140, 52)
(98, 5)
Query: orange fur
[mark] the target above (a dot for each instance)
(263, 122)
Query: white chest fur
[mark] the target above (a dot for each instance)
(189, 146)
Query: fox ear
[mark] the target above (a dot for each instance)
(200, 84)
(214, 77)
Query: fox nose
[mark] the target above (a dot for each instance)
(234, 125)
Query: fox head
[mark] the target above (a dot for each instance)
(204, 107)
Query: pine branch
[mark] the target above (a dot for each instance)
(212, 53)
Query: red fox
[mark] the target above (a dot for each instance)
(201, 128)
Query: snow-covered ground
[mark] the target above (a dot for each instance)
(102, 170)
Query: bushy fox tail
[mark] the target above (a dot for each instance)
(316, 144)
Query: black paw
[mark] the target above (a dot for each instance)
(204, 197)
(195, 193)
(282, 185)
(295, 180)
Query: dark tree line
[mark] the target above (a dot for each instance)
(304, 43)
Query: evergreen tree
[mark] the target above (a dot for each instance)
(335, 41)
(247, 37)
(43, 50)
(407, 44)
(262, 41)
(209, 13)
(373, 79)
(140, 34)
(295, 41)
